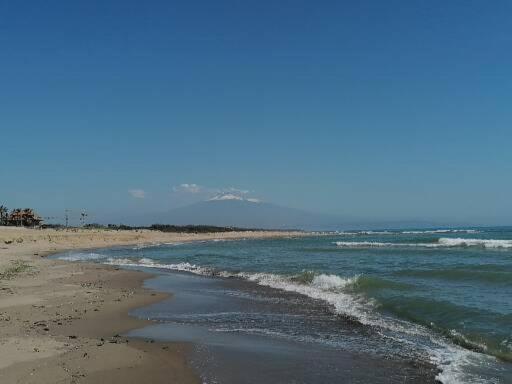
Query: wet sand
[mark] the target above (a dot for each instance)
(61, 322)
(242, 333)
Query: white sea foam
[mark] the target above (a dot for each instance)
(434, 231)
(408, 232)
(157, 244)
(332, 282)
(443, 242)
(456, 363)
(363, 244)
(485, 243)
(82, 256)
(377, 244)
(479, 346)
(452, 360)
(149, 263)
(323, 287)
(366, 233)
(143, 246)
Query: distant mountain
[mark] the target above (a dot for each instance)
(237, 211)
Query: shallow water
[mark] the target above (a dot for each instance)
(248, 334)
(437, 296)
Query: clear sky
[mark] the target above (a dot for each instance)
(370, 109)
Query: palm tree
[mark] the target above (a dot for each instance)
(3, 214)
(16, 217)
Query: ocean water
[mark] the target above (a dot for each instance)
(439, 297)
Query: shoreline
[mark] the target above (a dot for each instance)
(253, 357)
(60, 321)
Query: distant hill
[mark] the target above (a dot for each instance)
(233, 210)
(230, 210)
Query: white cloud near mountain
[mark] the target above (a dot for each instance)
(188, 188)
(208, 193)
(137, 193)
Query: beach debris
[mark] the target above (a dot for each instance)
(72, 337)
(7, 290)
(77, 375)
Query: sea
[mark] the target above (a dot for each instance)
(387, 306)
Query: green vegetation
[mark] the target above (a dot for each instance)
(19, 217)
(4, 214)
(195, 228)
(170, 228)
(15, 269)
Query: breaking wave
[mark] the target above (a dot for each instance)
(443, 242)
(366, 233)
(409, 232)
(338, 292)
(485, 243)
(434, 231)
(343, 295)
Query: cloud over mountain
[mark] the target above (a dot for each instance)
(211, 193)
(137, 193)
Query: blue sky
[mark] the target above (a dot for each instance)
(369, 109)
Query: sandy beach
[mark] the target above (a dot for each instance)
(61, 322)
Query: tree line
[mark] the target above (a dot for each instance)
(169, 228)
(21, 217)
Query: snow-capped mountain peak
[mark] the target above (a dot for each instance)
(232, 196)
